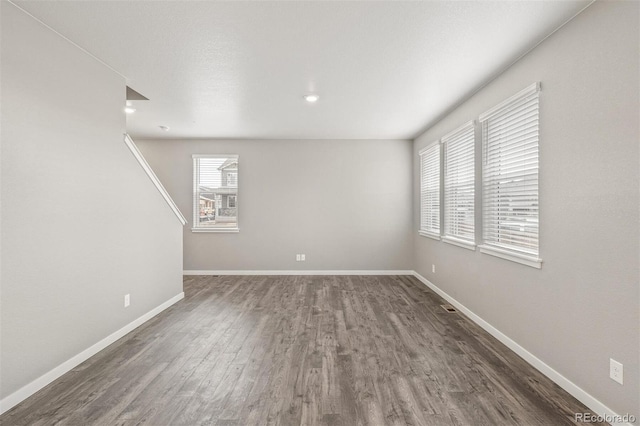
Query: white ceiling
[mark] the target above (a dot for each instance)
(240, 69)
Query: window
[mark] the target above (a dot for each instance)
(459, 183)
(510, 178)
(232, 178)
(215, 191)
(430, 191)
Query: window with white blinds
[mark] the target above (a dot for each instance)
(430, 191)
(510, 177)
(459, 183)
(215, 193)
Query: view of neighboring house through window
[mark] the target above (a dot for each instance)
(459, 182)
(430, 191)
(510, 176)
(215, 191)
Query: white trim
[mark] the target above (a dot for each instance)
(301, 272)
(219, 230)
(592, 403)
(145, 166)
(532, 261)
(42, 381)
(429, 234)
(566, 384)
(529, 90)
(196, 190)
(458, 242)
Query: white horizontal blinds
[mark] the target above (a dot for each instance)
(459, 183)
(215, 191)
(430, 190)
(510, 173)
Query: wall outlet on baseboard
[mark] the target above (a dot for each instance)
(615, 370)
(433, 269)
(127, 300)
(300, 257)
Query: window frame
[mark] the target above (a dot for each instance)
(424, 191)
(459, 136)
(489, 246)
(196, 194)
(235, 179)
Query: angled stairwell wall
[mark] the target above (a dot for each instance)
(81, 223)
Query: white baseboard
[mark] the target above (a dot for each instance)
(300, 272)
(26, 391)
(598, 407)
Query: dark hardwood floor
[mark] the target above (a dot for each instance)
(312, 350)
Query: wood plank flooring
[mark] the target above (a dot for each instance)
(302, 350)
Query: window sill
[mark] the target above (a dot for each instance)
(460, 243)
(218, 230)
(430, 235)
(531, 261)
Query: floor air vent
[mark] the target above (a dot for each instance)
(449, 308)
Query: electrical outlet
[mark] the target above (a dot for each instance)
(127, 300)
(615, 370)
(433, 268)
(302, 257)
(297, 258)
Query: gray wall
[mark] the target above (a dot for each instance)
(82, 225)
(582, 307)
(345, 204)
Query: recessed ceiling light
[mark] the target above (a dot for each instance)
(129, 110)
(311, 98)
(164, 128)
